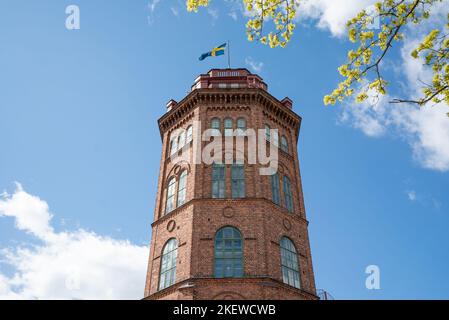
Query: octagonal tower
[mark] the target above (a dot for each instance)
(222, 229)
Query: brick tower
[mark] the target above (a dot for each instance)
(222, 229)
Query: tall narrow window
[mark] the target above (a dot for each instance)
(228, 253)
(167, 276)
(182, 188)
(241, 126)
(275, 194)
(218, 181)
(288, 199)
(284, 144)
(228, 127)
(182, 140)
(215, 126)
(238, 181)
(174, 145)
(170, 204)
(267, 132)
(189, 134)
(289, 263)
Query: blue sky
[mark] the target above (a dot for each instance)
(78, 125)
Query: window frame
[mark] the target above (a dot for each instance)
(173, 146)
(284, 144)
(169, 256)
(228, 125)
(182, 140)
(288, 195)
(275, 189)
(225, 255)
(240, 192)
(221, 182)
(290, 269)
(241, 130)
(170, 196)
(189, 134)
(216, 129)
(182, 188)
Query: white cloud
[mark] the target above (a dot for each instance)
(370, 116)
(31, 214)
(332, 14)
(329, 15)
(428, 134)
(428, 126)
(67, 265)
(256, 66)
(425, 129)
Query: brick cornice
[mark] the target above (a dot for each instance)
(173, 213)
(279, 209)
(245, 96)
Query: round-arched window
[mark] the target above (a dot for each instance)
(228, 253)
(289, 263)
(167, 275)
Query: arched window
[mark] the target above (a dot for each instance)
(228, 127)
(174, 145)
(284, 144)
(182, 140)
(215, 126)
(167, 275)
(288, 199)
(241, 126)
(228, 253)
(289, 263)
(182, 188)
(238, 181)
(275, 194)
(189, 134)
(170, 204)
(218, 181)
(267, 133)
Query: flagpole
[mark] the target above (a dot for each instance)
(229, 55)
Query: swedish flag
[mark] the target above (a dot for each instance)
(218, 51)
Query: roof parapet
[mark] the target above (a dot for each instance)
(229, 78)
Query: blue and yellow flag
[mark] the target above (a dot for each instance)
(218, 51)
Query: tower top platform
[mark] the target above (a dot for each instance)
(229, 78)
